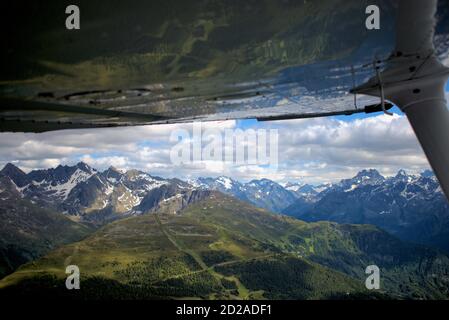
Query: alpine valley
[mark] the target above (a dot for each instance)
(138, 236)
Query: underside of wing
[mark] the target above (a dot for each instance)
(174, 61)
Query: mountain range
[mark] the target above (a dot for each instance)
(28, 231)
(411, 207)
(86, 194)
(49, 216)
(219, 247)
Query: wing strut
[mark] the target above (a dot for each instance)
(414, 80)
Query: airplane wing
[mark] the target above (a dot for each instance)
(154, 62)
(167, 62)
(171, 61)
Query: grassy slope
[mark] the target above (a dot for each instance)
(223, 248)
(406, 270)
(28, 231)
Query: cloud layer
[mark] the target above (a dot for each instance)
(312, 150)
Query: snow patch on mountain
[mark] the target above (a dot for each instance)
(63, 190)
(226, 182)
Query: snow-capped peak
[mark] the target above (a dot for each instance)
(64, 189)
(226, 182)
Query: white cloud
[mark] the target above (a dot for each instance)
(312, 150)
(115, 161)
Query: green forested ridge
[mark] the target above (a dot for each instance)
(28, 231)
(223, 248)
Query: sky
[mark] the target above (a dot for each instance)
(310, 150)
